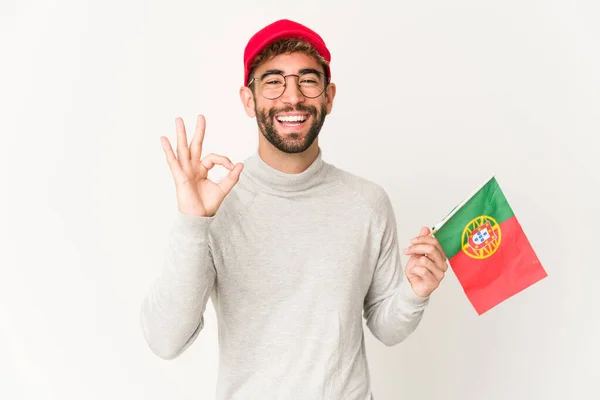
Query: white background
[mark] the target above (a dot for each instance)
(433, 96)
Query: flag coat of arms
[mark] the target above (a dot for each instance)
(487, 248)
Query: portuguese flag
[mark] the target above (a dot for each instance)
(487, 248)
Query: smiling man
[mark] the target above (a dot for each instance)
(293, 123)
(292, 250)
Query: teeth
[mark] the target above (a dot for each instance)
(294, 118)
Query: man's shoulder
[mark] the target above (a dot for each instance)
(232, 209)
(366, 190)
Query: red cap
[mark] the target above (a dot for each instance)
(282, 29)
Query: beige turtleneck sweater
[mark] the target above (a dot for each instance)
(292, 263)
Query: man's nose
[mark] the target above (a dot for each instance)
(292, 94)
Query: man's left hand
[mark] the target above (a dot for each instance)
(427, 265)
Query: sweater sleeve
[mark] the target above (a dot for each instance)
(172, 312)
(391, 308)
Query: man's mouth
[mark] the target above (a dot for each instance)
(292, 121)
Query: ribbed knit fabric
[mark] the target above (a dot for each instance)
(292, 263)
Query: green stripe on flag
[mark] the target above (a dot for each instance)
(489, 201)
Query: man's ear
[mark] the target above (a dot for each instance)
(329, 96)
(247, 98)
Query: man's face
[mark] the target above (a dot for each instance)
(293, 121)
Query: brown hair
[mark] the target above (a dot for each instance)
(287, 46)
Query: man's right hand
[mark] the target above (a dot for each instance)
(196, 194)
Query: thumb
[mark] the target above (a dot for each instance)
(231, 178)
(424, 231)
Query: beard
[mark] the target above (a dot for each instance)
(291, 142)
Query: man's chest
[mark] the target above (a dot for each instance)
(281, 252)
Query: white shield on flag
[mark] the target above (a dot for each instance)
(481, 236)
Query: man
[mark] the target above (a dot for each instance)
(292, 250)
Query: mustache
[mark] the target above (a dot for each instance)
(299, 108)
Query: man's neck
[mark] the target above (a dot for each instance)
(289, 163)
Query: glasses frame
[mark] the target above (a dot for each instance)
(327, 79)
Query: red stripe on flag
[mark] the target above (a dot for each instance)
(513, 267)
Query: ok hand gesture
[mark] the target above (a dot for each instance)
(196, 194)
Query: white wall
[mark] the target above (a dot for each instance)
(425, 91)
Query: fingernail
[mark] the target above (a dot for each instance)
(415, 240)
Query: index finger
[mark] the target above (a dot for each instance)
(429, 239)
(198, 139)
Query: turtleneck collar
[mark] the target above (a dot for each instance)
(273, 181)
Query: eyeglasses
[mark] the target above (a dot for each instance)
(271, 86)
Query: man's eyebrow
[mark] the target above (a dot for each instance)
(271, 71)
(310, 71)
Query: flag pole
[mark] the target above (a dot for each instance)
(458, 207)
